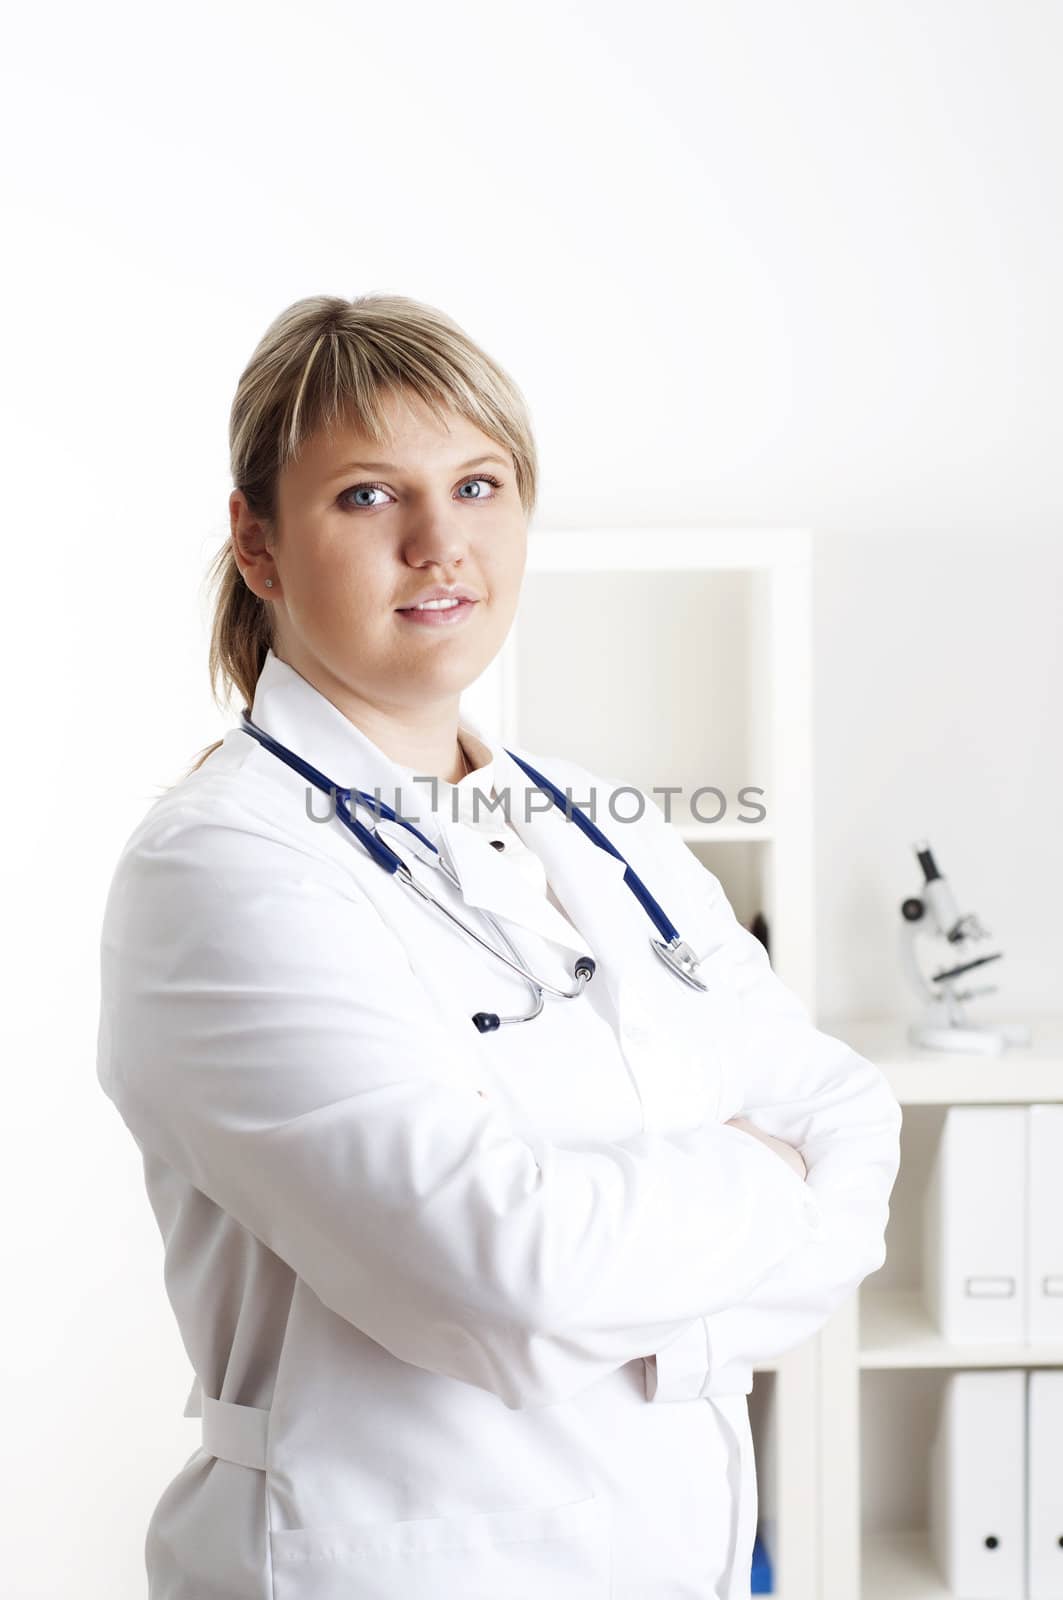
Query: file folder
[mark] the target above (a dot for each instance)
(974, 1267)
(978, 1486)
(1044, 1289)
(1044, 1485)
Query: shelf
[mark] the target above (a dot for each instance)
(896, 1331)
(899, 1566)
(933, 1077)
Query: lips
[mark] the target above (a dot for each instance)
(435, 617)
(440, 591)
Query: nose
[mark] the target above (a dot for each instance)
(437, 541)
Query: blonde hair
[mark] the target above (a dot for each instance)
(326, 360)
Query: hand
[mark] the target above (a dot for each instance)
(792, 1157)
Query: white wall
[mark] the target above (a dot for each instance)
(751, 263)
(938, 669)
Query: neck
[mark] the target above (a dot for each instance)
(423, 738)
(429, 748)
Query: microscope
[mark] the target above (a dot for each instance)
(937, 956)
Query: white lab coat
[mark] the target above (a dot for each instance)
(472, 1316)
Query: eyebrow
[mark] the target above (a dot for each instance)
(389, 466)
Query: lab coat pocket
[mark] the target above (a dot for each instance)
(520, 1554)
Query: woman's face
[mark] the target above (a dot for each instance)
(360, 537)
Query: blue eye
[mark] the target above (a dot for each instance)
(363, 488)
(483, 478)
(370, 505)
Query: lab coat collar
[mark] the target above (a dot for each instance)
(586, 879)
(493, 885)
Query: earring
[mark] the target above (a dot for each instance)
(269, 583)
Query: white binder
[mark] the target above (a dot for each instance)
(1044, 1292)
(974, 1271)
(978, 1484)
(1044, 1508)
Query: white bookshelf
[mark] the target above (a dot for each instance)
(897, 1360)
(683, 657)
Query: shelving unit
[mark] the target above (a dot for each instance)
(684, 658)
(886, 1345)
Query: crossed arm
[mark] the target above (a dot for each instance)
(795, 1084)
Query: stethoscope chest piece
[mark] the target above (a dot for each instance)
(678, 955)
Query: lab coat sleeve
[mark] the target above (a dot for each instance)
(262, 1031)
(818, 1094)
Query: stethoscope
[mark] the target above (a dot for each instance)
(675, 954)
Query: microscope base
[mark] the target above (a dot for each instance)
(969, 1038)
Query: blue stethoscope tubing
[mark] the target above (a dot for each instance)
(671, 948)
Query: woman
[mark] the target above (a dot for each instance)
(472, 1313)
